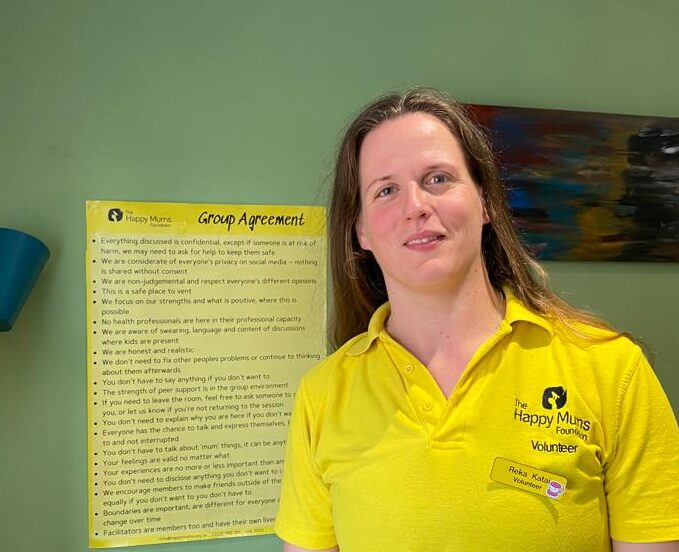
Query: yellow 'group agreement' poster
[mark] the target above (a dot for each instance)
(201, 320)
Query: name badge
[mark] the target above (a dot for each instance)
(528, 478)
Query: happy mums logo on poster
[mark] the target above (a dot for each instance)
(229, 221)
(118, 215)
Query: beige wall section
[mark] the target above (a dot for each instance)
(242, 102)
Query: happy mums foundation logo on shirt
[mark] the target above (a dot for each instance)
(554, 398)
(554, 418)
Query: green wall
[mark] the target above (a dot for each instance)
(237, 101)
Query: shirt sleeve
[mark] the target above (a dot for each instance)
(642, 476)
(305, 510)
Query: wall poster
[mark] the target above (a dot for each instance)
(201, 320)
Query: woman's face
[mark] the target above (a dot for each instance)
(421, 212)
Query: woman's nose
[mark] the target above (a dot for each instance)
(416, 203)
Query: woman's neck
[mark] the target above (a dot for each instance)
(455, 321)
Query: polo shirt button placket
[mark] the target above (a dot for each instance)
(426, 407)
(409, 369)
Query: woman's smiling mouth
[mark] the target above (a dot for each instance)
(423, 239)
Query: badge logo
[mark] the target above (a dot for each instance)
(554, 398)
(115, 215)
(555, 489)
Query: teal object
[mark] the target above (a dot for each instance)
(22, 258)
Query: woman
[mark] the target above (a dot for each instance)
(473, 409)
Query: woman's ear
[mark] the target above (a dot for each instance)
(360, 234)
(484, 206)
(484, 214)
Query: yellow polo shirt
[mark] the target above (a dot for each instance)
(545, 444)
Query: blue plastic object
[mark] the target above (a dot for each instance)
(22, 258)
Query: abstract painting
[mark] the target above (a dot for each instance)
(590, 186)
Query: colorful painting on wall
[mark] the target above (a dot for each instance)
(590, 186)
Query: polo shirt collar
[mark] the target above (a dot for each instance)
(375, 327)
(515, 311)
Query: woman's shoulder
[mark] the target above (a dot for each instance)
(597, 339)
(575, 328)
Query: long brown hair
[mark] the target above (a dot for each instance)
(358, 283)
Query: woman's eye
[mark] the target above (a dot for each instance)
(387, 190)
(438, 179)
